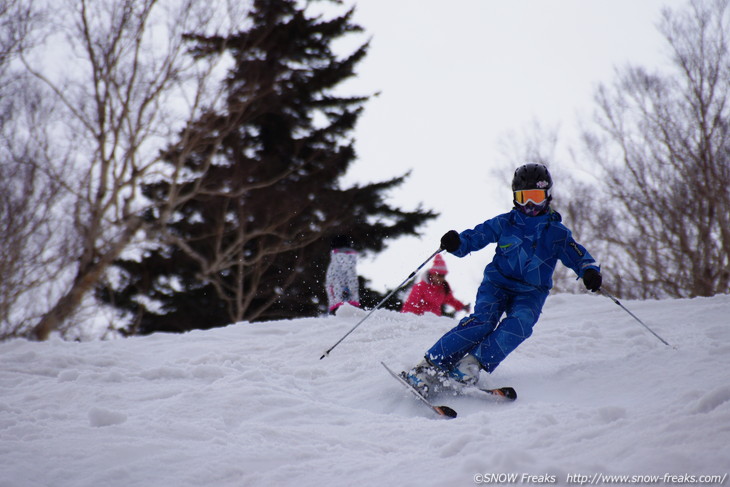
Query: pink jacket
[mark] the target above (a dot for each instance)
(428, 297)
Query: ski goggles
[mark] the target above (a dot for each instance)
(536, 196)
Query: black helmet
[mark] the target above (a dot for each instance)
(532, 176)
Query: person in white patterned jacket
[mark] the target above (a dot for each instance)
(341, 280)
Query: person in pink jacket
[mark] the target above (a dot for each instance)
(432, 293)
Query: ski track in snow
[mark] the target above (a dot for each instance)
(253, 405)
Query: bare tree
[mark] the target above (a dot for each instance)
(30, 247)
(124, 89)
(661, 204)
(31, 250)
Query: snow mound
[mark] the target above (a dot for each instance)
(253, 404)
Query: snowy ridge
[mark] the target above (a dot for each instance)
(252, 404)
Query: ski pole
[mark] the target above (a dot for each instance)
(605, 293)
(410, 276)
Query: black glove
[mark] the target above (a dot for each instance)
(592, 280)
(451, 242)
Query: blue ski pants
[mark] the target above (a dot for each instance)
(483, 335)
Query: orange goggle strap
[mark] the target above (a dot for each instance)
(537, 196)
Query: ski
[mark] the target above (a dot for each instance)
(499, 393)
(440, 410)
(507, 393)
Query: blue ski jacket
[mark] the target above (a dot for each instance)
(528, 248)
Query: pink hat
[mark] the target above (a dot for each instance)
(439, 266)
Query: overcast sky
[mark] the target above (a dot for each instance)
(455, 78)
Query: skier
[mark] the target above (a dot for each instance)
(341, 281)
(433, 292)
(530, 239)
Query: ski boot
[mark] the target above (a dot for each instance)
(425, 377)
(466, 371)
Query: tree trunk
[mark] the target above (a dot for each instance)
(86, 279)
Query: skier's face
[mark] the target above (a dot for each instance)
(531, 209)
(437, 278)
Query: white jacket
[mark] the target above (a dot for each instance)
(341, 279)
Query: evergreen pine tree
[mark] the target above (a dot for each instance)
(252, 242)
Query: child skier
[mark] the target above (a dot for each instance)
(530, 239)
(341, 281)
(432, 293)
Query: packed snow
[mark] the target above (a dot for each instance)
(253, 404)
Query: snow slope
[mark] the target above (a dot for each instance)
(253, 404)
